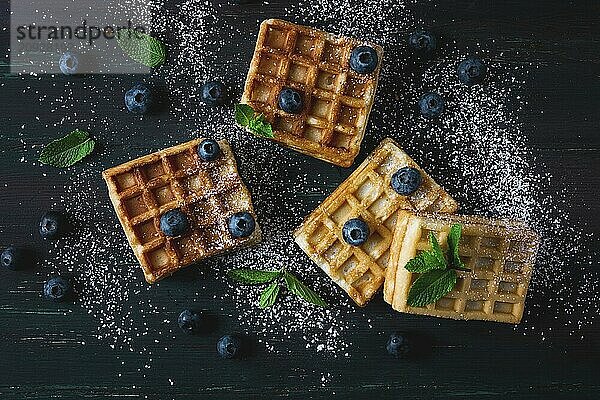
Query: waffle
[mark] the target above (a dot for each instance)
(337, 100)
(208, 192)
(367, 194)
(500, 254)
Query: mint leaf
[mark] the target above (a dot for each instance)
(269, 295)
(453, 242)
(437, 251)
(252, 276)
(261, 127)
(246, 117)
(243, 114)
(67, 151)
(425, 261)
(141, 47)
(431, 286)
(302, 291)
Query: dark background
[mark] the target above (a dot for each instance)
(40, 351)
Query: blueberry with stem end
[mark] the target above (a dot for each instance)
(68, 63)
(58, 289)
(241, 224)
(190, 322)
(399, 345)
(422, 42)
(406, 181)
(209, 150)
(174, 223)
(364, 59)
(214, 93)
(355, 232)
(431, 105)
(229, 346)
(138, 99)
(472, 71)
(12, 258)
(52, 225)
(290, 100)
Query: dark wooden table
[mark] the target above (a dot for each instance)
(53, 351)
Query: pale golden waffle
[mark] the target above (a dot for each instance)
(499, 253)
(208, 192)
(367, 194)
(337, 100)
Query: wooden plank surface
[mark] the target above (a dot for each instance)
(53, 351)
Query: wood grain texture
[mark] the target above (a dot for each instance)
(49, 351)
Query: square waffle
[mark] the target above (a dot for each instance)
(367, 193)
(337, 100)
(499, 253)
(208, 192)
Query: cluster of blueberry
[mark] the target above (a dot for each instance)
(470, 71)
(363, 60)
(405, 181)
(52, 225)
(175, 223)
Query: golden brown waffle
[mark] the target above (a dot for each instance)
(360, 270)
(500, 254)
(208, 192)
(337, 100)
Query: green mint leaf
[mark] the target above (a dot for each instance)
(252, 276)
(431, 286)
(453, 242)
(243, 114)
(425, 261)
(246, 117)
(301, 290)
(261, 127)
(141, 47)
(67, 151)
(437, 251)
(269, 295)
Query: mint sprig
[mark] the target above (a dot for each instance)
(65, 152)
(270, 294)
(438, 276)
(256, 123)
(141, 47)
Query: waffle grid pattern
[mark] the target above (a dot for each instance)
(337, 100)
(366, 194)
(500, 258)
(207, 192)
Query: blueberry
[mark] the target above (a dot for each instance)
(431, 105)
(406, 180)
(58, 289)
(214, 93)
(290, 100)
(471, 71)
(12, 258)
(241, 224)
(68, 63)
(422, 42)
(364, 59)
(209, 150)
(138, 99)
(174, 223)
(355, 232)
(229, 346)
(399, 345)
(189, 322)
(52, 225)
